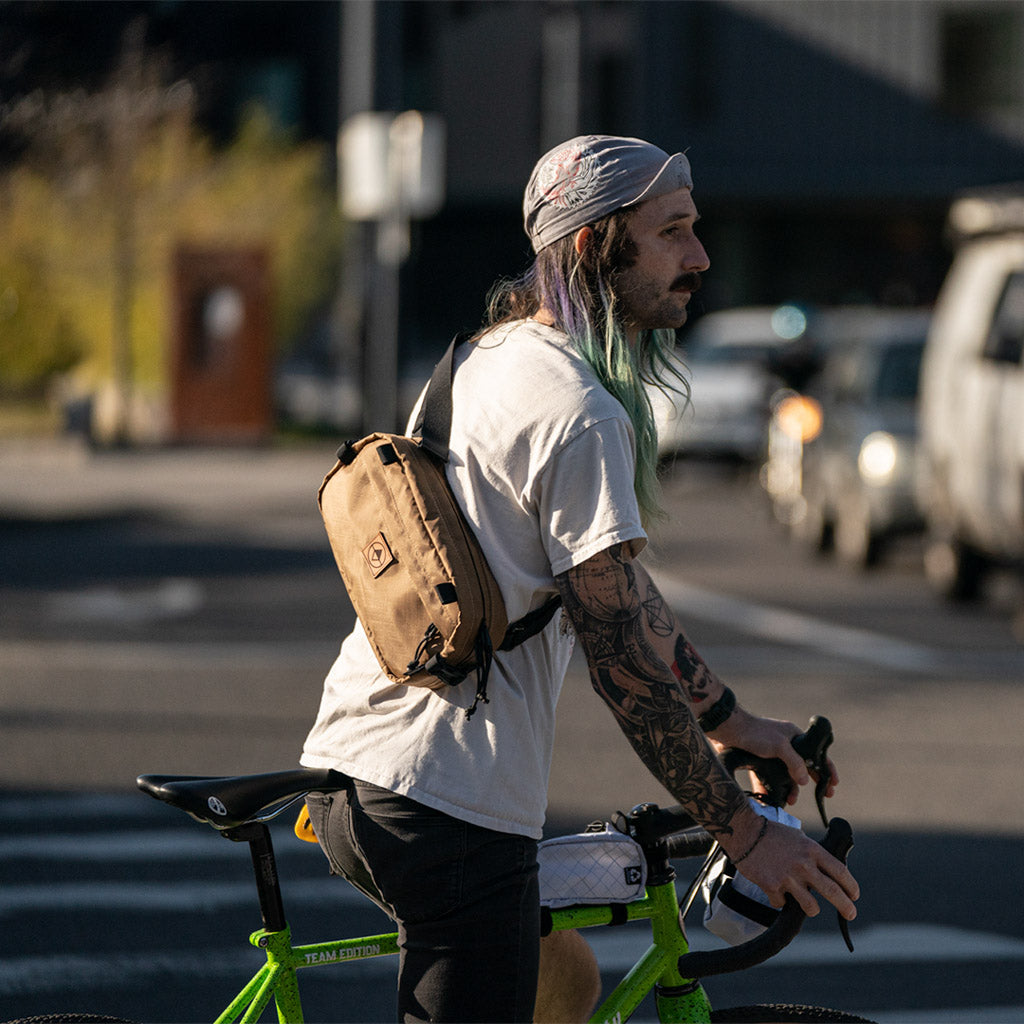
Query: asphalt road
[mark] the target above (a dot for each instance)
(176, 611)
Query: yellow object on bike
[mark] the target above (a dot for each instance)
(304, 827)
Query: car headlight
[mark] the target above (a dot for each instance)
(799, 417)
(877, 459)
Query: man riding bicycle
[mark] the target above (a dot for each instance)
(553, 461)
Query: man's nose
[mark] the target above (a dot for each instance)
(697, 257)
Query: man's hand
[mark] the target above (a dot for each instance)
(768, 737)
(784, 860)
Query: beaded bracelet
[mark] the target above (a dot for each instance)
(750, 850)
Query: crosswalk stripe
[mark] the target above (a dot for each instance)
(39, 807)
(616, 950)
(182, 897)
(140, 846)
(69, 972)
(907, 943)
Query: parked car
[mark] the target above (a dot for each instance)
(851, 474)
(728, 359)
(971, 482)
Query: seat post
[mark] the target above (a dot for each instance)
(264, 866)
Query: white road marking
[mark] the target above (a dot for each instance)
(168, 599)
(786, 627)
(619, 948)
(137, 846)
(180, 897)
(616, 952)
(66, 973)
(41, 807)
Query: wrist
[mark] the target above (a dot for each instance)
(746, 830)
(734, 731)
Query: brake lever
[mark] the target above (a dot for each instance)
(838, 840)
(813, 746)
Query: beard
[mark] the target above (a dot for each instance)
(647, 305)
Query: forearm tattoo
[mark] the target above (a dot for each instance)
(688, 667)
(607, 612)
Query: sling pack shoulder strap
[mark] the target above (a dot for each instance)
(434, 428)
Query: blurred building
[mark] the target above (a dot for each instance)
(826, 136)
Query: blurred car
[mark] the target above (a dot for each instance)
(971, 470)
(729, 360)
(857, 469)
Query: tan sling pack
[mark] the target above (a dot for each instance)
(413, 569)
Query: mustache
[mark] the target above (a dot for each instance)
(689, 281)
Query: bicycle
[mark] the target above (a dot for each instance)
(239, 807)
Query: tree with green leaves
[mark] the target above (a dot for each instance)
(109, 185)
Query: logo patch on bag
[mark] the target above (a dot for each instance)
(378, 555)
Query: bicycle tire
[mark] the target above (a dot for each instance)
(70, 1018)
(784, 1013)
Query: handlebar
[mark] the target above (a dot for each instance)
(671, 830)
(648, 824)
(811, 745)
(838, 841)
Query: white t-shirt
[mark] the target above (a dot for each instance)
(541, 462)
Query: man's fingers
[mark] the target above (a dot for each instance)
(808, 904)
(839, 887)
(837, 896)
(795, 764)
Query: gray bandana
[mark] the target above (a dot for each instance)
(589, 177)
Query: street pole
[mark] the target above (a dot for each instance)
(391, 171)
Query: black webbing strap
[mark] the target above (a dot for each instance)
(743, 904)
(434, 428)
(530, 624)
(434, 424)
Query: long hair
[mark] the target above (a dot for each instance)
(579, 290)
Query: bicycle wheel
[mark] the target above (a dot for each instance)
(70, 1018)
(784, 1013)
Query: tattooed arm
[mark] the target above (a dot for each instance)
(623, 625)
(603, 600)
(767, 737)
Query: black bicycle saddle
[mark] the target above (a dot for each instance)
(226, 802)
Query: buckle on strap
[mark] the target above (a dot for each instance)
(449, 674)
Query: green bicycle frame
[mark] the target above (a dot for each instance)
(277, 978)
(678, 999)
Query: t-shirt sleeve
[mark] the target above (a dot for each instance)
(587, 501)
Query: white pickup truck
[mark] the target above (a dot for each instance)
(971, 445)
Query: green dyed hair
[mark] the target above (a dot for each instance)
(579, 290)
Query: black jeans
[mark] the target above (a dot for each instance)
(465, 899)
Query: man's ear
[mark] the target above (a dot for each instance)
(582, 240)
